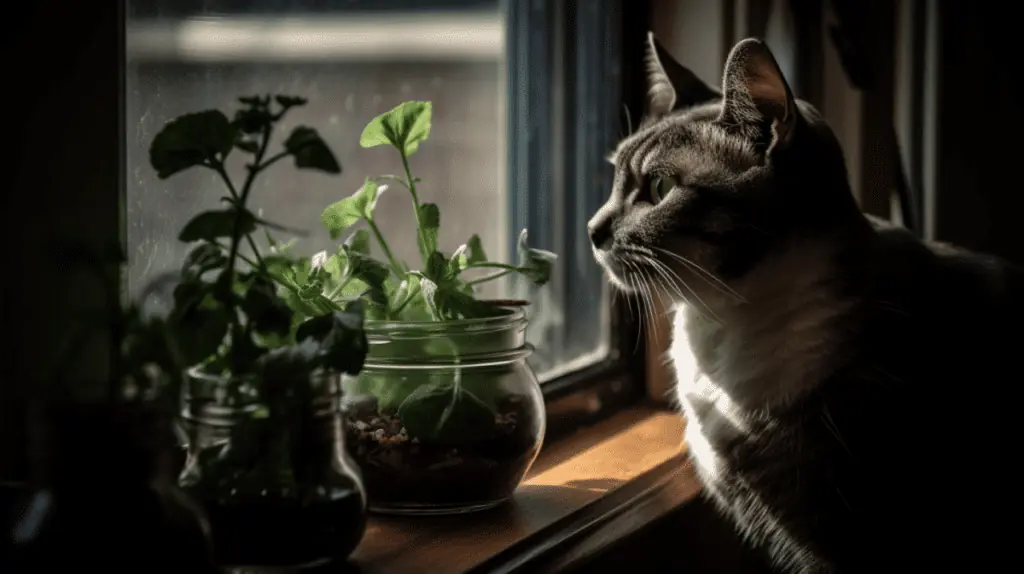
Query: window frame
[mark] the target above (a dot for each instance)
(68, 184)
(578, 55)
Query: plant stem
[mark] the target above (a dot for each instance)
(219, 168)
(272, 159)
(488, 265)
(490, 277)
(384, 247)
(236, 235)
(334, 292)
(256, 252)
(407, 300)
(415, 205)
(393, 178)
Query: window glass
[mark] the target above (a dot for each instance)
(352, 60)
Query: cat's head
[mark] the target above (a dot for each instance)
(712, 182)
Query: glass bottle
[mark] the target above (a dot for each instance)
(276, 483)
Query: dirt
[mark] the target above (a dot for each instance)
(400, 470)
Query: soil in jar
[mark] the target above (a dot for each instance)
(401, 470)
(278, 531)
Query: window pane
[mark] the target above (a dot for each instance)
(352, 60)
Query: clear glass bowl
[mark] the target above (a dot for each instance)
(445, 417)
(277, 486)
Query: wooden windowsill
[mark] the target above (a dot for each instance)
(589, 489)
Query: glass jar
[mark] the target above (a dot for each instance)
(445, 417)
(277, 484)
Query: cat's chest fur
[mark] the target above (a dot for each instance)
(726, 375)
(727, 380)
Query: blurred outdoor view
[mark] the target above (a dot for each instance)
(352, 60)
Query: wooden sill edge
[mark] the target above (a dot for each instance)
(586, 491)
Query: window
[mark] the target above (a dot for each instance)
(513, 83)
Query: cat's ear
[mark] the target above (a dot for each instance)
(670, 85)
(756, 94)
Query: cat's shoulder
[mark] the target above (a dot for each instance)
(941, 262)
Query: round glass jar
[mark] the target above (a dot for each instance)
(445, 417)
(278, 487)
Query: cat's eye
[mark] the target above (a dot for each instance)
(658, 188)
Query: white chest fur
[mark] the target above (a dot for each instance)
(726, 374)
(711, 415)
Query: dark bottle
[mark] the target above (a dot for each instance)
(103, 499)
(271, 472)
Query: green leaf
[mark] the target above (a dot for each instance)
(278, 227)
(535, 264)
(199, 332)
(290, 364)
(248, 146)
(365, 268)
(341, 215)
(342, 342)
(359, 242)
(204, 258)
(253, 120)
(344, 349)
(244, 354)
(436, 268)
(211, 225)
(452, 303)
(428, 292)
(310, 150)
(290, 101)
(403, 127)
(430, 223)
(268, 313)
(446, 414)
(475, 252)
(469, 253)
(190, 140)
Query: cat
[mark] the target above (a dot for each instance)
(847, 387)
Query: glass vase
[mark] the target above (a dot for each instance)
(445, 417)
(275, 481)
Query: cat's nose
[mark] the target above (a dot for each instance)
(600, 231)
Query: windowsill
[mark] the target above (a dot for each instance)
(584, 493)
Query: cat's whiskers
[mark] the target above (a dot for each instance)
(634, 283)
(647, 300)
(672, 279)
(669, 273)
(629, 281)
(704, 274)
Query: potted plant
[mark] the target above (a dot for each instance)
(446, 415)
(261, 408)
(103, 491)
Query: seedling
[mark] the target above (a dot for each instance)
(393, 290)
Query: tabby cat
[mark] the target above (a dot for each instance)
(847, 386)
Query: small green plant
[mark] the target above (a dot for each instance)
(230, 319)
(228, 316)
(393, 290)
(442, 289)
